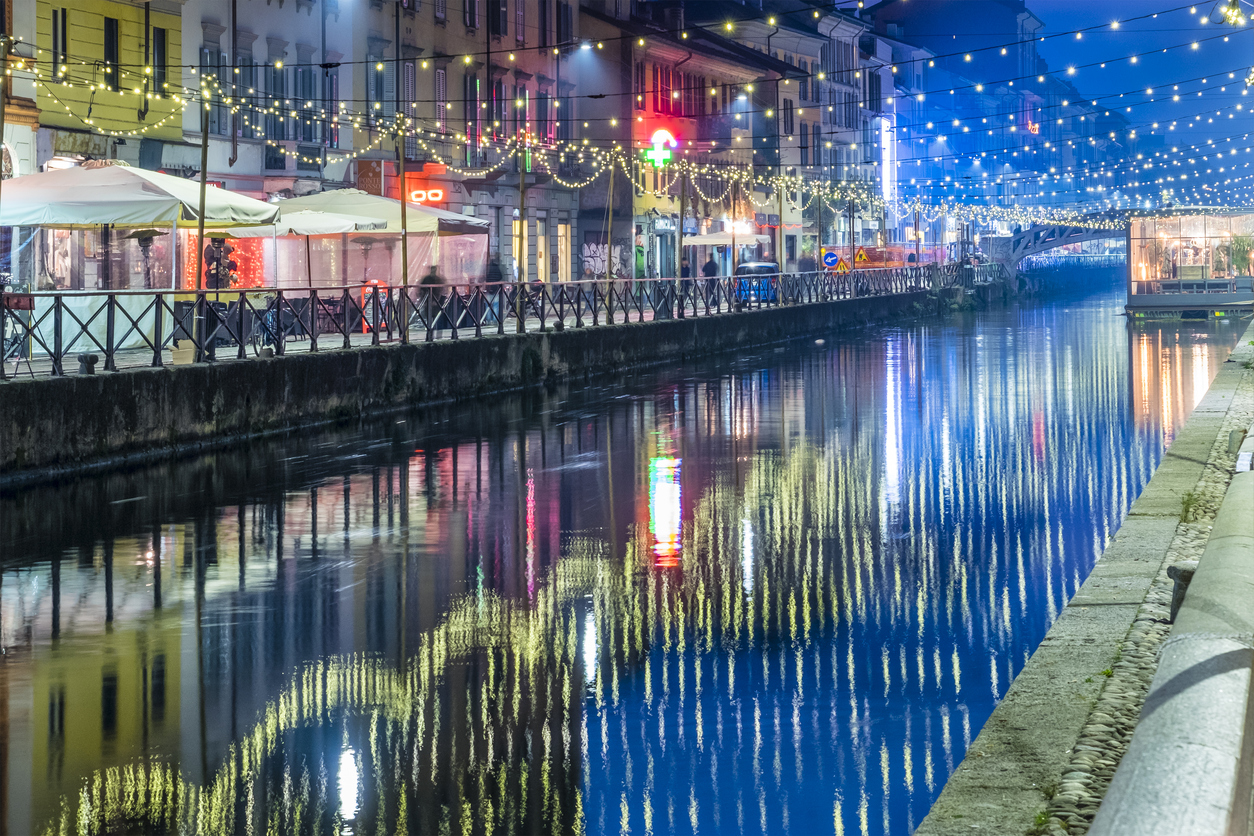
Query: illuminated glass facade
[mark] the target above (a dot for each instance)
(1188, 253)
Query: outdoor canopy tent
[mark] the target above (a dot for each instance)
(725, 239)
(420, 219)
(118, 195)
(457, 245)
(305, 222)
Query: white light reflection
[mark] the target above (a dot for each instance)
(348, 785)
(746, 550)
(589, 648)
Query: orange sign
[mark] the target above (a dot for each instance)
(842, 266)
(426, 195)
(861, 255)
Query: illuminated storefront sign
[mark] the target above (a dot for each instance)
(660, 153)
(426, 195)
(664, 511)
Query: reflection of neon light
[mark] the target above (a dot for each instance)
(664, 511)
(662, 142)
(348, 785)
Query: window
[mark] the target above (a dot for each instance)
(788, 112)
(542, 117)
(305, 94)
(441, 9)
(564, 116)
(441, 100)
(210, 62)
(498, 17)
(543, 6)
(565, 23)
(470, 13)
(804, 82)
(520, 110)
(805, 144)
(640, 85)
(276, 92)
(470, 113)
(160, 61)
(112, 55)
(60, 38)
(409, 92)
(520, 20)
(657, 86)
(818, 143)
(247, 81)
(331, 86)
(500, 124)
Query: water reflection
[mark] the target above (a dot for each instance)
(777, 596)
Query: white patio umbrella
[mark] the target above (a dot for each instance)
(724, 239)
(307, 223)
(118, 195)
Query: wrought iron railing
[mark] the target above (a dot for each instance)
(46, 332)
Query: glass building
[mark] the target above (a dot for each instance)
(1190, 259)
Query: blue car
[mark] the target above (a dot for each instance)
(757, 281)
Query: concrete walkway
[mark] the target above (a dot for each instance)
(1043, 760)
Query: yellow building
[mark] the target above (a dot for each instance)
(108, 71)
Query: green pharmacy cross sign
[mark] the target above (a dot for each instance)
(660, 153)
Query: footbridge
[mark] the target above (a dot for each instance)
(1011, 249)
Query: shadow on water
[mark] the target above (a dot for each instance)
(775, 593)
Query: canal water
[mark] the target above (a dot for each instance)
(775, 593)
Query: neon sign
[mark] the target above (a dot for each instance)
(426, 196)
(660, 153)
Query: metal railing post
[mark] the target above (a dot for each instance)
(312, 307)
(56, 337)
(348, 298)
(374, 315)
(110, 365)
(280, 336)
(240, 353)
(158, 321)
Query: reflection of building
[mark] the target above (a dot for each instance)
(1190, 261)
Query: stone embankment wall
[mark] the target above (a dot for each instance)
(48, 425)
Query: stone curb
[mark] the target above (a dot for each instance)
(1182, 770)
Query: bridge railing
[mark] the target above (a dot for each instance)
(58, 333)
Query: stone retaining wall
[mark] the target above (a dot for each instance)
(65, 423)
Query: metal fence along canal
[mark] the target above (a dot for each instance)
(45, 332)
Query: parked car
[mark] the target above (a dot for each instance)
(757, 281)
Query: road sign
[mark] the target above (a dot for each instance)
(830, 259)
(861, 256)
(841, 266)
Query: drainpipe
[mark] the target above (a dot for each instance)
(143, 107)
(230, 163)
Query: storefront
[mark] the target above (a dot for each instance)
(1191, 260)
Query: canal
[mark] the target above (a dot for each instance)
(776, 593)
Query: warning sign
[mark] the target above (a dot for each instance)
(861, 256)
(842, 266)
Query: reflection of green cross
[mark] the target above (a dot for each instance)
(659, 154)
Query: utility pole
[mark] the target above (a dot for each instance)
(609, 247)
(683, 195)
(779, 200)
(520, 307)
(735, 251)
(397, 84)
(917, 239)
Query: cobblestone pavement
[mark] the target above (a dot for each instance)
(1108, 730)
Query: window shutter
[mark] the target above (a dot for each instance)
(441, 9)
(520, 20)
(389, 89)
(441, 100)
